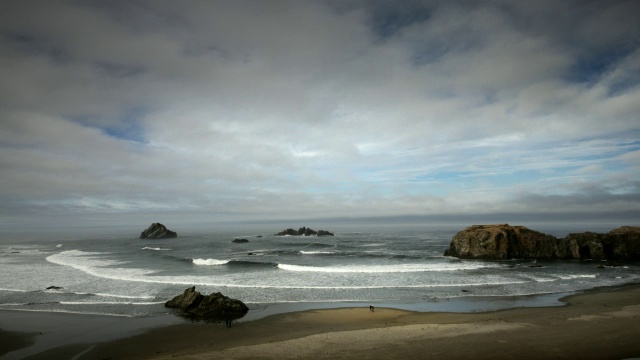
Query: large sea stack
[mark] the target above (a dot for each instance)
(157, 231)
(500, 242)
(207, 307)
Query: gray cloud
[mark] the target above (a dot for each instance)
(266, 110)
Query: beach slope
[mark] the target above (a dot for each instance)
(599, 324)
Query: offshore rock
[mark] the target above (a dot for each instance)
(304, 231)
(157, 231)
(288, 231)
(207, 307)
(240, 240)
(499, 242)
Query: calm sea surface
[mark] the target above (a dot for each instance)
(126, 276)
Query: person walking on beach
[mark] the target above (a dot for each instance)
(371, 308)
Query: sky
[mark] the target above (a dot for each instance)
(215, 111)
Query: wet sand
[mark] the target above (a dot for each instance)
(599, 324)
(11, 340)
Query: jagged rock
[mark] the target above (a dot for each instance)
(306, 231)
(189, 300)
(288, 231)
(303, 231)
(507, 242)
(157, 231)
(207, 307)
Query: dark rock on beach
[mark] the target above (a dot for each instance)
(55, 288)
(500, 242)
(157, 231)
(304, 231)
(240, 240)
(207, 307)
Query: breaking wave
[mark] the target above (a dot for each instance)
(210, 262)
(387, 268)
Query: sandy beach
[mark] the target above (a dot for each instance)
(599, 324)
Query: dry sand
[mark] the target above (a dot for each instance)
(601, 324)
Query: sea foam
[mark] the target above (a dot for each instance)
(387, 268)
(209, 262)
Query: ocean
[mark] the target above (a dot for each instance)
(396, 267)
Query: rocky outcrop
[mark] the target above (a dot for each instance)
(240, 240)
(157, 231)
(622, 244)
(304, 231)
(207, 307)
(501, 242)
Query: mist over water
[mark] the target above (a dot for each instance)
(126, 276)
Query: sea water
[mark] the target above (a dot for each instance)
(404, 268)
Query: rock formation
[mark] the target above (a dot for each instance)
(499, 242)
(157, 231)
(240, 240)
(207, 307)
(304, 231)
(621, 244)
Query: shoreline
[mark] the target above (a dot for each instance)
(157, 337)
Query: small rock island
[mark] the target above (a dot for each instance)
(158, 231)
(503, 242)
(304, 231)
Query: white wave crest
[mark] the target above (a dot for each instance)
(154, 249)
(316, 252)
(386, 268)
(576, 276)
(119, 296)
(110, 302)
(15, 290)
(92, 264)
(209, 262)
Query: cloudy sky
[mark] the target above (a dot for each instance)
(262, 110)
